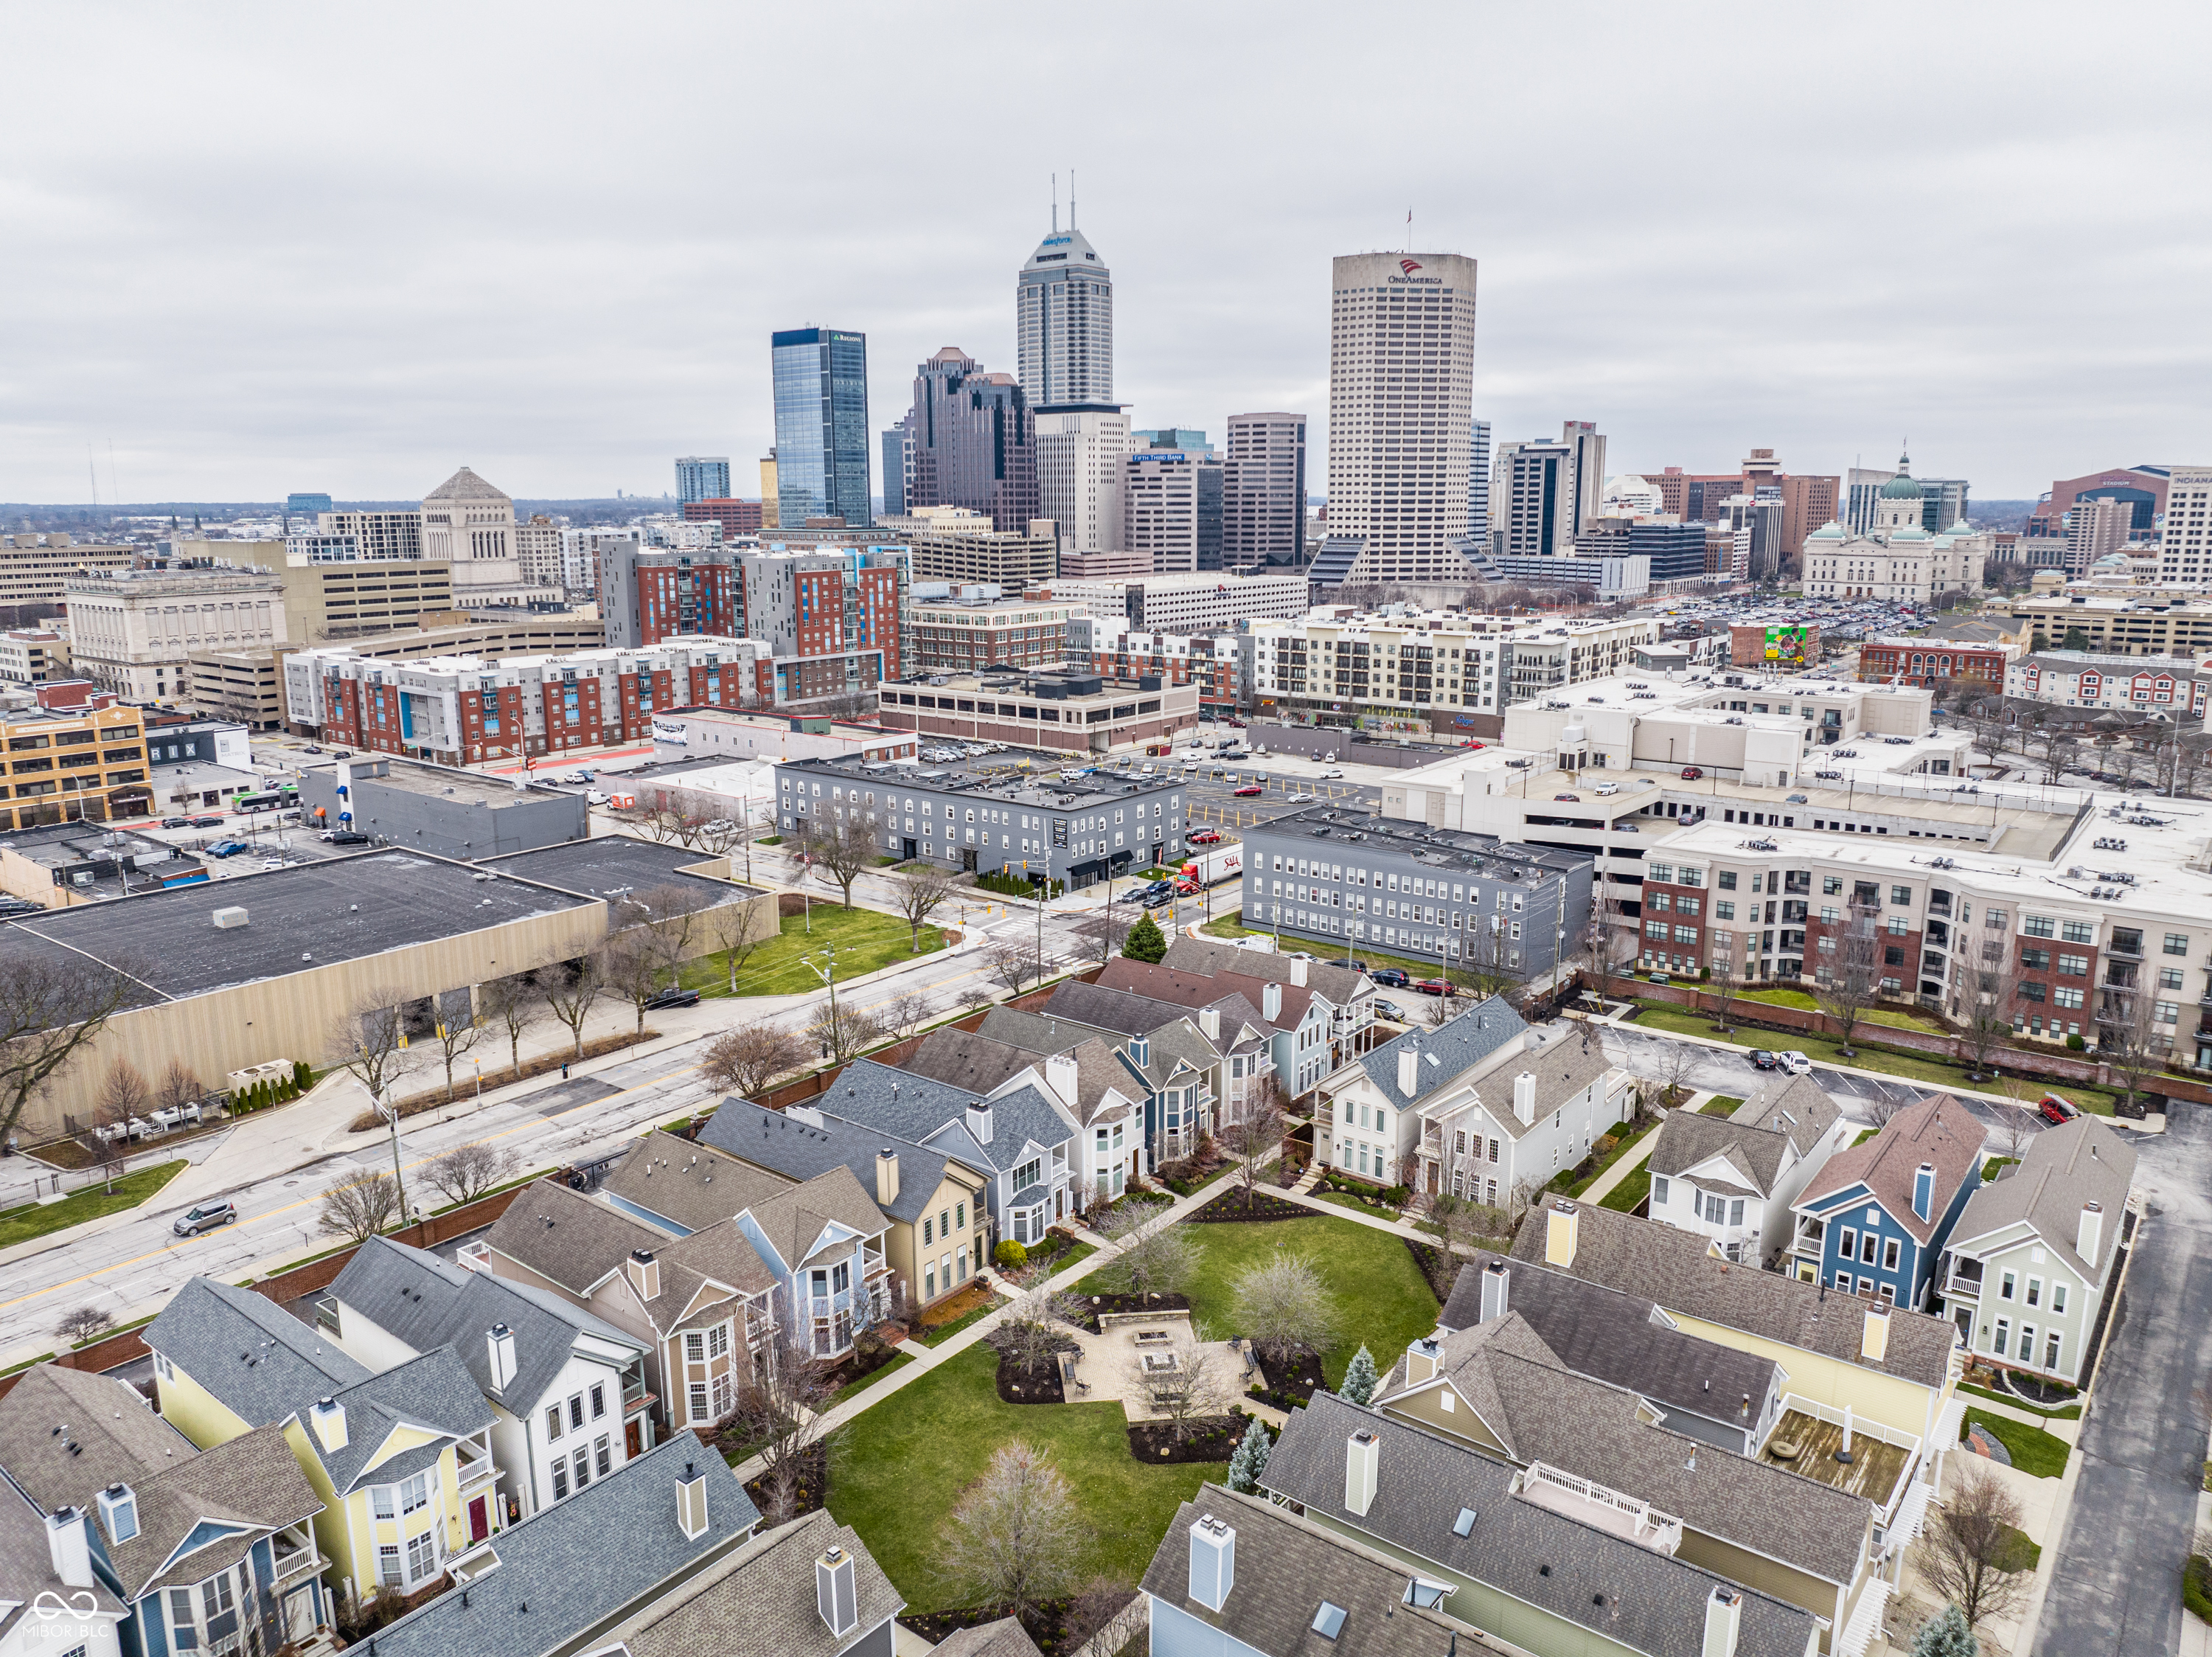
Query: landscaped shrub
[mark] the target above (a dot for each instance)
(1014, 886)
(1011, 1255)
(2075, 1045)
(2196, 1585)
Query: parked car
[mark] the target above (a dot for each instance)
(1157, 899)
(1394, 978)
(205, 1216)
(1356, 965)
(2055, 1110)
(1332, 775)
(674, 998)
(1390, 1010)
(1204, 836)
(1692, 773)
(1797, 800)
(1795, 1062)
(1299, 799)
(1250, 791)
(345, 838)
(576, 777)
(312, 748)
(595, 798)
(1606, 789)
(1572, 799)
(176, 822)
(1763, 1060)
(228, 848)
(1435, 986)
(213, 820)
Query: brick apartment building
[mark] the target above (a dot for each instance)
(1807, 502)
(1111, 647)
(1933, 663)
(736, 517)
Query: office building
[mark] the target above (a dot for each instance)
(1942, 500)
(966, 631)
(702, 478)
(740, 520)
(954, 543)
(581, 552)
(1190, 604)
(470, 524)
(306, 504)
(1545, 492)
(821, 426)
(1171, 509)
(1082, 455)
(333, 590)
(1070, 711)
(897, 470)
(770, 520)
(2095, 530)
(35, 567)
(1402, 366)
(1478, 482)
(1183, 437)
(1064, 321)
(376, 535)
(1263, 493)
(73, 764)
(974, 442)
(131, 629)
(32, 655)
(1808, 502)
(1676, 551)
(537, 552)
(2143, 487)
(2185, 549)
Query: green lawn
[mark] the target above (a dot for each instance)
(33, 1220)
(866, 940)
(1635, 1185)
(899, 1470)
(1914, 1066)
(1382, 1299)
(1344, 1199)
(896, 1360)
(1719, 1105)
(2063, 1412)
(1865, 1134)
(1896, 1017)
(2034, 1452)
(1990, 1169)
(1627, 1143)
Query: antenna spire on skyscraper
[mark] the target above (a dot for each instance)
(1056, 204)
(1071, 199)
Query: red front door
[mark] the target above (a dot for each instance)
(633, 1440)
(479, 1520)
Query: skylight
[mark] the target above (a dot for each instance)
(1328, 1620)
(1464, 1525)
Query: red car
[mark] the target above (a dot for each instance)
(1205, 838)
(1250, 791)
(1434, 987)
(2057, 1111)
(1692, 773)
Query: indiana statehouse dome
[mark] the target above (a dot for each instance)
(1901, 487)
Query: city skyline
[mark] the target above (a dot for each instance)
(181, 340)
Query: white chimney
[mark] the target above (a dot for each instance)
(68, 1547)
(1409, 1070)
(1209, 1023)
(327, 1415)
(1524, 1098)
(1271, 1001)
(1873, 1339)
(835, 1595)
(499, 1342)
(1213, 1561)
(691, 1503)
(645, 1273)
(2092, 1232)
(1723, 1617)
(1494, 1278)
(1298, 964)
(1561, 1225)
(979, 1120)
(1360, 1453)
(1060, 1075)
(887, 1175)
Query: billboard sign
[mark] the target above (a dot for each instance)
(1787, 644)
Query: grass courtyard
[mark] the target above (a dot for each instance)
(866, 940)
(85, 1203)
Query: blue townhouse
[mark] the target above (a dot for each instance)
(1874, 1221)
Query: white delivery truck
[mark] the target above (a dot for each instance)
(1211, 865)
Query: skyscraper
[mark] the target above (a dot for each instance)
(1263, 509)
(1478, 484)
(1064, 321)
(898, 464)
(974, 442)
(702, 478)
(1401, 371)
(1081, 453)
(821, 426)
(1173, 504)
(1542, 494)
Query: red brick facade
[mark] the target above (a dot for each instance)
(1930, 664)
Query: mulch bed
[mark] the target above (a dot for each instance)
(856, 1367)
(1230, 1207)
(813, 1483)
(1115, 1303)
(1291, 1383)
(1439, 1267)
(954, 1307)
(1215, 1438)
(1020, 1386)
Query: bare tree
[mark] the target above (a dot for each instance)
(1727, 989)
(508, 1007)
(50, 1010)
(179, 1086)
(1973, 1552)
(1255, 1131)
(1484, 968)
(1283, 1307)
(83, 1324)
(1013, 964)
(1034, 1327)
(1673, 1065)
(906, 1013)
(842, 847)
(922, 891)
(844, 1032)
(456, 1031)
(371, 1041)
(1015, 1536)
(571, 989)
(1193, 1383)
(360, 1205)
(1990, 990)
(467, 1172)
(745, 1060)
(1153, 1256)
(726, 931)
(675, 914)
(2129, 1038)
(1850, 982)
(1103, 933)
(1600, 945)
(786, 1406)
(630, 964)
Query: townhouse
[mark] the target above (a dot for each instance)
(2161, 687)
(1735, 1178)
(566, 1389)
(1349, 993)
(1168, 1063)
(1231, 1020)
(1874, 1221)
(181, 1548)
(398, 1460)
(47, 1568)
(2032, 1258)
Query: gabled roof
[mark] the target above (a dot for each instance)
(915, 1107)
(764, 1600)
(691, 1185)
(1111, 1010)
(695, 1271)
(27, 1566)
(1341, 985)
(428, 1303)
(1180, 1046)
(1753, 1137)
(1450, 1052)
(252, 1483)
(967, 1058)
(799, 1149)
(1038, 1033)
(1004, 1638)
(1939, 1131)
(466, 485)
(570, 1568)
(2078, 1162)
(794, 1220)
(1652, 1604)
(1099, 1076)
(1677, 1270)
(568, 1239)
(1621, 1339)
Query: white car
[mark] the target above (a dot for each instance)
(1300, 800)
(1607, 787)
(595, 798)
(1331, 775)
(1794, 1064)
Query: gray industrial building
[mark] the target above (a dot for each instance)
(438, 809)
(1012, 810)
(1382, 883)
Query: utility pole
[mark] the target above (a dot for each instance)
(391, 1113)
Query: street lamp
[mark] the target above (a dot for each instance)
(391, 1113)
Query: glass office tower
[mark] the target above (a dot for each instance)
(821, 436)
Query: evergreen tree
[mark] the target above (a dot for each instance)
(1145, 942)
(1360, 1380)
(1251, 1459)
(1946, 1635)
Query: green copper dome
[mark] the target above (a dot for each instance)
(1901, 487)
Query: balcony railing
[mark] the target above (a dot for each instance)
(294, 1555)
(823, 1306)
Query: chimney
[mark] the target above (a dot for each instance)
(1924, 1189)
(645, 1273)
(1873, 1339)
(499, 1340)
(1421, 1360)
(1560, 1225)
(691, 1503)
(119, 1509)
(1060, 1075)
(1360, 1451)
(1493, 1291)
(327, 1415)
(1409, 1070)
(1213, 1561)
(979, 1120)
(1271, 1001)
(1723, 1616)
(1298, 964)
(887, 1176)
(68, 1547)
(2091, 1233)
(1209, 1022)
(1140, 1051)
(1524, 1098)
(835, 1595)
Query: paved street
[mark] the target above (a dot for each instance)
(2118, 1590)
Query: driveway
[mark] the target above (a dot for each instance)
(2117, 1586)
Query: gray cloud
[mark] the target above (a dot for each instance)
(266, 248)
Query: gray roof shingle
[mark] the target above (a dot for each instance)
(764, 1600)
(568, 1237)
(1449, 1052)
(27, 1566)
(691, 1186)
(2078, 1162)
(1939, 1131)
(1755, 1136)
(1117, 1010)
(799, 1149)
(1652, 1604)
(967, 1058)
(1038, 1034)
(915, 1107)
(1340, 984)
(1004, 1638)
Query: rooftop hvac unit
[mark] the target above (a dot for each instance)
(226, 919)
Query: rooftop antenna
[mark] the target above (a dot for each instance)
(1071, 199)
(1056, 204)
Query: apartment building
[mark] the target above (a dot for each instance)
(73, 764)
(376, 535)
(962, 631)
(1111, 647)
(959, 544)
(32, 655)
(1067, 713)
(2133, 623)
(131, 631)
(34, 568)
(335, 586)
(2083, 679)
(1190, 604)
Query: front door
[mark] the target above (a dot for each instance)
(479, 1520)
(633, 1440)
(910, 849)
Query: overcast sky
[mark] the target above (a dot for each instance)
(264, 248)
